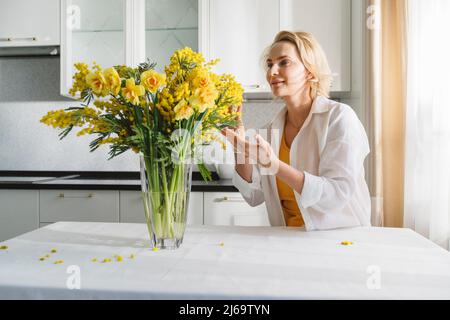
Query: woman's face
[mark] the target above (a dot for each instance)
(286, 74)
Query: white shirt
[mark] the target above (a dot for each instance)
(330, 149)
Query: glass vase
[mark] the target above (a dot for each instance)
(166, 187)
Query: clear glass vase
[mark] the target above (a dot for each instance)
(166, 187)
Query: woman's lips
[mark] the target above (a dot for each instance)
(277, 83)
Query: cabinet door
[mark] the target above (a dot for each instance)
(29, 23)
(170, 25)
(230, 209)
(132, 208)
(329, 21)
(19, 212)
(79, 205)
(239, 33)
(91, 31)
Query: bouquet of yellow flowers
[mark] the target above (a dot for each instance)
(163, 117)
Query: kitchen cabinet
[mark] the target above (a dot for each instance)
(113, 32)
(330, 23)
(29, 23)
(132, 208)
(170, 25)
(19, 212)
(91, 31)
(238, 33)
(25, 210)
(230, 208)
(79, 205)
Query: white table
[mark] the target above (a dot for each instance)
(253, 263)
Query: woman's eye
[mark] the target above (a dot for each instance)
(269, 65)
(284, 62)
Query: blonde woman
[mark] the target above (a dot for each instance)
(309, 171)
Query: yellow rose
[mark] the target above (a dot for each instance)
(112, 80)
(132, 92)
(183, 110)
(97, 82)
(152, 80)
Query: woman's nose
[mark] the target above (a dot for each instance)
(273, 70)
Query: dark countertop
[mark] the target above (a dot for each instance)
(98, 181)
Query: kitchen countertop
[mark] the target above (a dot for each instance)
(220, 262)
(98, 181)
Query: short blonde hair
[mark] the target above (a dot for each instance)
(313, 58)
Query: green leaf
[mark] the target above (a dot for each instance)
(206, 174)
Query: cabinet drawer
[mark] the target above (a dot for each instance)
(132, 208)
(19, 212)
(223, 208)
(79, 205)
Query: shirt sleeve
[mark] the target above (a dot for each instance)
(251, 191)
(341, 164)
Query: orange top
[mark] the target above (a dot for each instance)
(291, 211)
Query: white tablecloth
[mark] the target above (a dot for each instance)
(252, 263)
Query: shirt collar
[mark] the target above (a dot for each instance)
(320, 105)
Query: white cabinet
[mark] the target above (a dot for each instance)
(170, 25)
(29, 23)
(91, 31)
(79, 205)
(19, 212)
(230, 208)
(117, 32)
(239, 32)
(330, 23)
(132, 208)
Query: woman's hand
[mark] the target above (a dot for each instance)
(259, 151)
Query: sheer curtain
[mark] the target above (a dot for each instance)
(427, 161)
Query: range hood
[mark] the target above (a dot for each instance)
(29, 51)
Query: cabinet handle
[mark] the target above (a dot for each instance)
(257, 86)
(90, 195)
(229, 199)
(20, 39)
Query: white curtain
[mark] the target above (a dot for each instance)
(427, 161)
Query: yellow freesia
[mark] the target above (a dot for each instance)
(152, 80)
(204, 98)
(112, 80)
(132, 92)
(200, 78)
(183, 110)
(97, 82)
